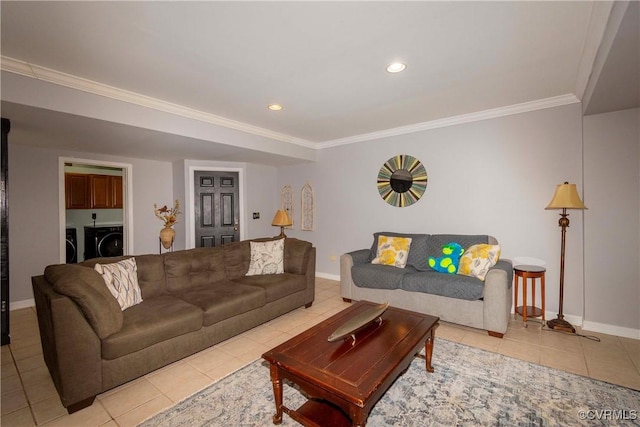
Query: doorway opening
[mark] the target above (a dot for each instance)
(95, 209)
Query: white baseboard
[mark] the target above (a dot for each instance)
(17, 305)
(574, 320)
(549, 315)
(328, 276)
(604, 328)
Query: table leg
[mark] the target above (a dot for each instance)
(533, 293)
(276, 381)
(542, 295)
(515, 298)
(524, 300)
(428, 348)
(358, 418)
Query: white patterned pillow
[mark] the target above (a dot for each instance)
(121, 279)
(267, 258)
(478, 259)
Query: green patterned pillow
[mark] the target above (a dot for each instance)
(392, 251)
(478, 259)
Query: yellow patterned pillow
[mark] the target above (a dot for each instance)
(392, 251)
(478, 259)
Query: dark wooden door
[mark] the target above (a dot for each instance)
(217, 208)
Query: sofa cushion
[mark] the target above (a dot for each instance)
(296, 255)
(152, 321)
(417, 256)
(151, 277)
(193, 268)
(87, 289)
(223, 300)
(379, 276)
(447, 285)
(276, 286)
(266, 258)
(236, 259)
(121, 279)
(435, 243)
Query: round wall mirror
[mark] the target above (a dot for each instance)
(402, 180)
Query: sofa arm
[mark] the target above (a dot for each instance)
(360, 256)
(346, 282)
(497, 297)
(70, 346)
(296, 255)
(310, 273)
(347, 261)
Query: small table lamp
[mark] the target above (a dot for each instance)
(282, 220)
(565, 197)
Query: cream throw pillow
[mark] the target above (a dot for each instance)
(392, 251)
(121, 279)
(266, 258)
(478, 259)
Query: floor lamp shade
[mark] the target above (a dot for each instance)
(565, 197)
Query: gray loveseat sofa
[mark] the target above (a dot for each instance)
(191, 300)
(454, 298)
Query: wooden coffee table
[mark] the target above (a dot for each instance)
(344, 380)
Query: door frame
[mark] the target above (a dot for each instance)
(191, 215)
(127, 197)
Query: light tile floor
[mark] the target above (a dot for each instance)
(29, 396)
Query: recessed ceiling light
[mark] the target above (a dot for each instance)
(396, 67)
(274, 107)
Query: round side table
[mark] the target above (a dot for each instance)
(525, 272)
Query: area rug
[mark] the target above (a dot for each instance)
(469, 387)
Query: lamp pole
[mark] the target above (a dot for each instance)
(565, 197)
(559, 323)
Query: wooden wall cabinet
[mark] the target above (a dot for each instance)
(116, 192)
(99, 189)
(88, 191)
(76, 190)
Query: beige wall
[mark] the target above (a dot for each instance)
(612, 223)
(496, 177)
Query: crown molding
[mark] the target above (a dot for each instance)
(56, 77)
(17, 67)
(524, 107)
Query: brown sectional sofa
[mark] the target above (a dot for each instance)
(192, 299)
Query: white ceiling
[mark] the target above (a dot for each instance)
(324, 61)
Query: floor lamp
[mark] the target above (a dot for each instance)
(565, 197)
